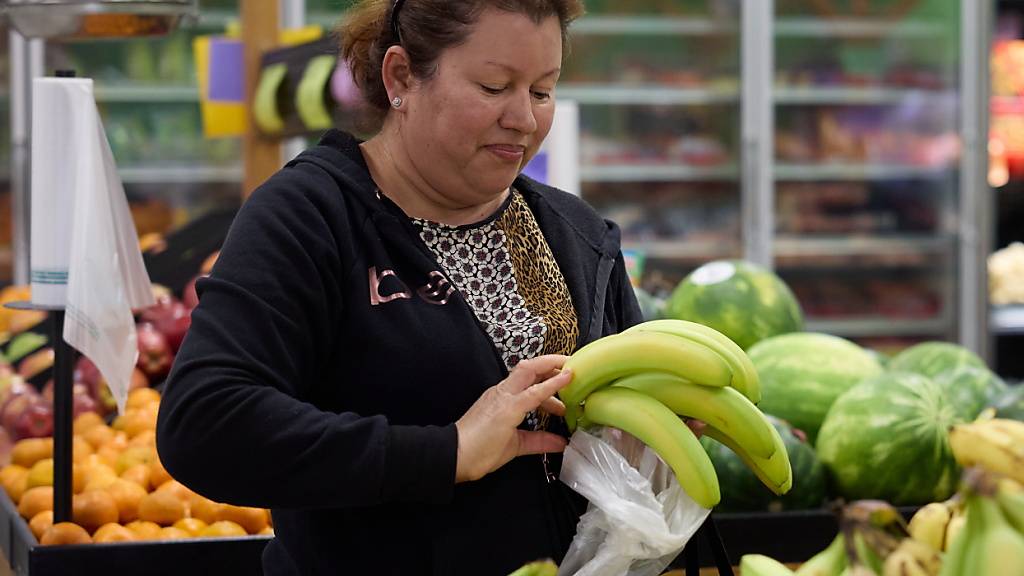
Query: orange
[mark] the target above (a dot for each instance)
(140, 397)
(65, 533)
(252, 519)
(40, 522)
(178, 489)
(222, 529)
(205, 509)
(270, 518)
(268, 531)
(28, 451)
(80, 449)
(93, 508)
(35, 500)
(10, 474)
(99, 435)
(191, 525)
(40, 474)
(140, 474)
(18, 487)
(127, 496)
(140, 420)
(134, 455)
(109, 454)
(159, 473)
(144, 438)
(114, 532)
(163, 508)
(172, 533)
(86, 421)
(144, 530)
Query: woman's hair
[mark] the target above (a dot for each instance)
(427, 28)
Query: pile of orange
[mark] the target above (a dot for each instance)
(121, 490)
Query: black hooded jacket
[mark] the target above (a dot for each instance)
(321, 377)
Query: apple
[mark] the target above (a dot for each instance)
(155, 354)
(18, 402)
(189, 296)
(82, 401)
(36, 363)
(6, 445)
(171, 318)
(17, 388)
(35, 421)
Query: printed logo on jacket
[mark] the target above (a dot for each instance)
(386, 286)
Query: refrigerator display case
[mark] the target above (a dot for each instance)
(835, 141)
(658, 90)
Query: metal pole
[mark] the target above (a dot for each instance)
(757, 197)
(63, 369)
(975, 194)
(26, 63)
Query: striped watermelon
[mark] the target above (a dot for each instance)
(741, 300)
(970, 389)
(742, 491)
(803, 373)
(887, 439)
(933, 358)
(1010, 404)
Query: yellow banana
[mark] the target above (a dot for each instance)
(953, 529)
(538, 568)
(902, 563)
(744, 375)
(774, 472)
(760, 565)
(1011, 428)
(599, 363)
(829, 562)
(928, 525)
(927, 558)
(664, 432)
(724, 408)
(978, 444)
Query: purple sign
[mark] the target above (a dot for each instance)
(227, 71)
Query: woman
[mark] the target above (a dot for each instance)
(376, 352)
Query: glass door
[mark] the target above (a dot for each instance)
(658, 90)
(867, 157)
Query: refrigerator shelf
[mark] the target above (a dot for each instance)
(857, 28)
(813, 172)
(880, 326)
(1007, 319)
(681, 249)
(644, 25)
(146, 93)
(827, 95)
(657, 173)
(653, 94)
(793, 246)
(180, 174)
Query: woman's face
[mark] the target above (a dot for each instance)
(472, 127)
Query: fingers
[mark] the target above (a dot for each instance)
(553, 406)
(536, 395)
(539, 442)
(529, 372)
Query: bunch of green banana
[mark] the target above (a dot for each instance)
(996, 445)
(760, 565)
(829, 562)
(539, 568)
(991, 543)
(642, 380)
(912, 558)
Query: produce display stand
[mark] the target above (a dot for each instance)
(223, 556)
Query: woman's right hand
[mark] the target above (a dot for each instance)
(489, 434)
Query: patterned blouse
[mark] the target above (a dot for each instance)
(505, 270)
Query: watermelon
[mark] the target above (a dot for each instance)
(1010, 404)
(742, 491)
(741, 300)
(803, 373)
(970, 389)
(886, 438)
(650, 306)
(932, 358)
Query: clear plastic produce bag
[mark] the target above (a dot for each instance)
(639, 518)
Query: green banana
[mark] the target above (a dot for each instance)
(995, 549)
(604, 360)
(724, 408)
(828, 562)
(661, 429)
(1012, 506)
(760, 565)
(744, 375)
(774, 472)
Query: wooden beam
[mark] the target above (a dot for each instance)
(260, 26)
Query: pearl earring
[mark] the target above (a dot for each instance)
(396, 101)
